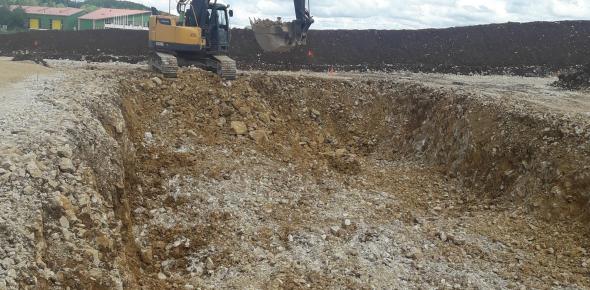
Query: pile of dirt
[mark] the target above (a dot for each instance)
(575, 79)
(32, 57)
(95, 45)
(529, 49)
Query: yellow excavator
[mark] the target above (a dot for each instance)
(200, 36)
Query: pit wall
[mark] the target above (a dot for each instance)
(504, 152)
(513, 156)
(503, 155)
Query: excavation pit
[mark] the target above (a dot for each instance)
(290, 181)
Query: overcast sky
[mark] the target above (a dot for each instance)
(406, 14)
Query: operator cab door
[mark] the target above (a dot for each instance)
(218, 30)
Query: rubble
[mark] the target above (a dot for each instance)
(289, 181)
(575, 79)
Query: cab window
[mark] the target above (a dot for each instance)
(165, 21)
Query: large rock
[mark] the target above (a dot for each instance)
(66, 165)
(33, 169)
(239, 127)
(65, 151)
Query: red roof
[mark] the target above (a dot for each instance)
(66, 11)
(104, 13)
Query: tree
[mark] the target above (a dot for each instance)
(5, 15)
(18, 18)
(88, 8)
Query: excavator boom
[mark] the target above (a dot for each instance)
(279, 36)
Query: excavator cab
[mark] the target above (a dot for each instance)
(279, 36)
(218, 26)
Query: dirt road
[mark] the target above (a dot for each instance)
(288, 180)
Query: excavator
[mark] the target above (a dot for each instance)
(200, 36)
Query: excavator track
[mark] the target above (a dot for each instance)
(164, 63)
(225, 67)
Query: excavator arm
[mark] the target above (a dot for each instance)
(279, 36)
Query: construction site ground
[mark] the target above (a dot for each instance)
(112, 177)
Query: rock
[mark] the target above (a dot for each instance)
(221, 122)
(7, 263)
(244, 110)
(315, 113)
(65, 151)
(191, 133)
(239, 127)
(209, 265)
(63, 221)
(119, 127)
(148, 138)
(171, 102)
(189, 287)
(83, 199)
(414, 253)
(33, 169)
(162, 276)
(225, 110)
(104, 242)
(340, 152)
(7, 165)
(259, 136)
(157, 81)
(28, 190)
(66, 165)
(265, 117)
(419, 221)
(334, 230)
(442, 236)
(67, 206)
(147, 255)
(11, 273)
(347, 223)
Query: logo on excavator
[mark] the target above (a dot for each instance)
(193, 35)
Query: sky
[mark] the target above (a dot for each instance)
(405, 14)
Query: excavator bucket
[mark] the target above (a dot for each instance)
(276, 36)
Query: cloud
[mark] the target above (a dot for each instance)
(406, 14)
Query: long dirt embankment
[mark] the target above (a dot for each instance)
(536, 48)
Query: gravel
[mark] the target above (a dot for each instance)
(139, 184)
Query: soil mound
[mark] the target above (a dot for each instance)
(576, 79)
(528, 49)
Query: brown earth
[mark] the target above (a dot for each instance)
(537, 48)
(112, 178)
(251, 184)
